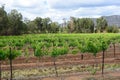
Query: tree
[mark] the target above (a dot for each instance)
(112, 29)
(53, 27)
(39, 23)
(91, 25)
(15, 22)
(24, 29)
(32, 27)
(46, 22)
(3, 21)
(101, 24)
(63, 26)
(71, 24)
(85, 25)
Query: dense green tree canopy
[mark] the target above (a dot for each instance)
(3, 21)
(101, 24)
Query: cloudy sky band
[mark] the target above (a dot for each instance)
(59, 9)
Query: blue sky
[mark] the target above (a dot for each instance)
(59, 9)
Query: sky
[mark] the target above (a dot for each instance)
(59, 9)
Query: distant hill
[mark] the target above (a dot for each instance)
(113, 20)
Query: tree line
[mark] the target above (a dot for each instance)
(12, 23)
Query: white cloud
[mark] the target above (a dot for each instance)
(59, 9)
(7, 3)
(68, 4)
(25, 3)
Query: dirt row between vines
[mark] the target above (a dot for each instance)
(60, 63)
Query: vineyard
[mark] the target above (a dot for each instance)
(39, 56)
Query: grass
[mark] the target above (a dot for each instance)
(61, 70)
